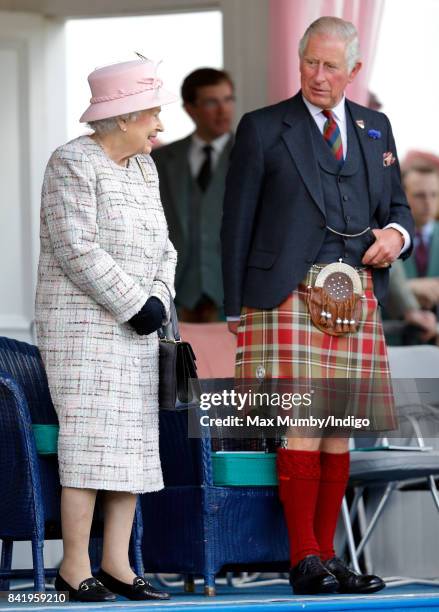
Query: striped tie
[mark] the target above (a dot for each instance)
(331, 133)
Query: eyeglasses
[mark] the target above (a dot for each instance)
(211, 103)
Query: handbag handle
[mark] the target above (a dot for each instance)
(170, 331)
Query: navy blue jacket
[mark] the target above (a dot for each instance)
(274, 215)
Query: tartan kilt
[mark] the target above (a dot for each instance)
(282, 343)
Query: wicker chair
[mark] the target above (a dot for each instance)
(196, 527)
(29, 483)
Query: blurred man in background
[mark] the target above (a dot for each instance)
(192, 175)
(421, 185)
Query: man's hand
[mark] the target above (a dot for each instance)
(233, 326)
(426, 290)
(385, 249)
(424, 319)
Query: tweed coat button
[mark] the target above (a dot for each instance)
(136, 361)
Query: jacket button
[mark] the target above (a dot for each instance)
(345, 198)
(323, 225)
(136, 361)
(143, 281)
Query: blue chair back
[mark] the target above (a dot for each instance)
(22, 361)
(21, 509)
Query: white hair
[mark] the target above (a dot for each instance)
(339, 28)
(105, 126)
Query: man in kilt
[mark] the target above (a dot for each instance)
(314, 180)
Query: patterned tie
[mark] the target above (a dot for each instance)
(421, 255)
(331, 133)
(205, 172)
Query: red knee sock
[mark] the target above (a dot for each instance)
(299, 476)
(334, 474)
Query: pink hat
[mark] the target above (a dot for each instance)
(126, 87)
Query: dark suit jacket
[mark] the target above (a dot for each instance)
(274, 214)
(172, 163)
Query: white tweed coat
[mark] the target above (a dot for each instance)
(104, 251)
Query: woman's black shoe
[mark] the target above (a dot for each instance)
(89, 590)
(139, 590)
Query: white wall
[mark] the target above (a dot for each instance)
(405, 75)
(29, 116)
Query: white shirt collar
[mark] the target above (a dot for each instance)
(217, 145)
(426, 230)
(339, 111)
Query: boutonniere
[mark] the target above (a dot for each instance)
(388, 159)
(374, 134)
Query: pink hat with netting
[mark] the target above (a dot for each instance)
(126, 87)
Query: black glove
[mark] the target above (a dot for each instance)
(149, 318)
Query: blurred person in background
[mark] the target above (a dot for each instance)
(401, 301)
(419, 159)
(402, 304)
(192, 175)
(421, 184)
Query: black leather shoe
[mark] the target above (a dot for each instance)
(310, 577)
(139, 590)
(352, 582)
(89, 590)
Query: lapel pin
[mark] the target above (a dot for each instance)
(374, 134)
(360, 123)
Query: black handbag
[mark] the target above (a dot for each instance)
(178, 381)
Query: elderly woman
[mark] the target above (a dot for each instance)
(105, 276)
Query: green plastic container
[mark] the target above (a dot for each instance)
(244, 469)
(46, 439)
